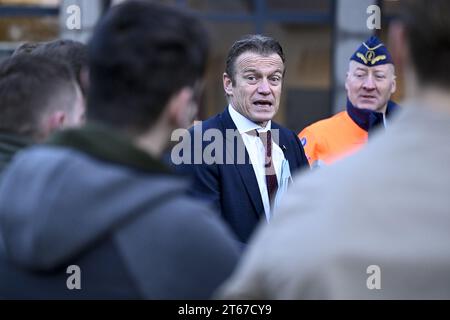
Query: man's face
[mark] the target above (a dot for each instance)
(257, 89)
(370, 87)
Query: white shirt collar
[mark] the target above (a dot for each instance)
(244, 124)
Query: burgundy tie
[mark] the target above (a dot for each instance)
(271, 176)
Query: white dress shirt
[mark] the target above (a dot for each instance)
(256, 152)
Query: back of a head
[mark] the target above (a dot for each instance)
(30, 88)
(140, 55)
(72, 52)
(27, 47)
(256, 43)
(428, 33)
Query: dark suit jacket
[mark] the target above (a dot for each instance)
(232, 187)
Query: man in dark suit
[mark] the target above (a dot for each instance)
(240, 159)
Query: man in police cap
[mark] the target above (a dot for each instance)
(370, 83)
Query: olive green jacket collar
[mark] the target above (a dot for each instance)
(102, 142)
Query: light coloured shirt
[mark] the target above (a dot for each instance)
(256, 152)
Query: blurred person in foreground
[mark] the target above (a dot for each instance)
(375, 225)
(100, 199)
(38, 96)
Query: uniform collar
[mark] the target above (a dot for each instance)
(367, 119)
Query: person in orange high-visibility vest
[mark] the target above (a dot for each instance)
(370, 83)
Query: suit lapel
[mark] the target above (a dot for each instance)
(284, 144)
(245, 170)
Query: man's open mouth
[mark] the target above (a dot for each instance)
(262, 103)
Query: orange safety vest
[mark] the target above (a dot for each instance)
(331, 139)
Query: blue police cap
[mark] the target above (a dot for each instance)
(372, 53)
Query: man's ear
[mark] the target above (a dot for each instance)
(181, 109)
(227, 84)
(56, 121)
(50, 123)
(393, 86)
(347, 76)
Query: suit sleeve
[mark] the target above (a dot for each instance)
(205, 184)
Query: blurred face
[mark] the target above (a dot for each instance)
(370, 87)
(257, 89)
